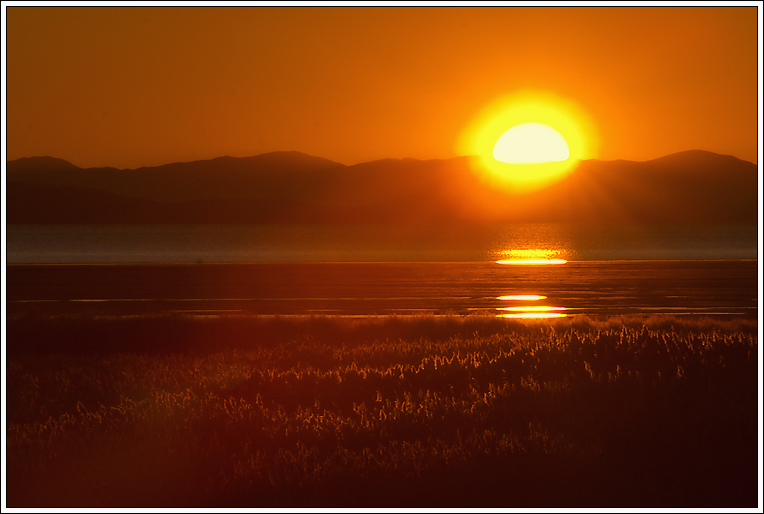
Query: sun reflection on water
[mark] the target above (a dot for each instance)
(529, 311)
(531, 261)
(532, 308)
(533, 315)
(536, 256)
(522, 297)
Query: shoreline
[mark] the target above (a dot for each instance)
(205, 334)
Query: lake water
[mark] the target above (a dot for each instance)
(367, 288)
(360, 271)
(308, 243)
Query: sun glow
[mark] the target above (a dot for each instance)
(529, 140)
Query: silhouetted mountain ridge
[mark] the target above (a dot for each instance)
(293, 187)
(42, 163)
(701, 157)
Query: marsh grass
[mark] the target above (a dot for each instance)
(419, 411)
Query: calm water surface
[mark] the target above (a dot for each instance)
(359, 289)
(350, 271)
(303, 243)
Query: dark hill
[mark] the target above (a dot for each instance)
(272, 174)
(693, 186)
(281, 187)
(42, 165)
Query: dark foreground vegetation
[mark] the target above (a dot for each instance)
(449, 412)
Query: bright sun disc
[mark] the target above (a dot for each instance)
(531, 143)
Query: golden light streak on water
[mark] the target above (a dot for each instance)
(531, 261)
(532, 308)
(532, 256)
(533, 315)
(532, 312)
(522, 297)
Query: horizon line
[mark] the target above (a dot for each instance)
(351, 165)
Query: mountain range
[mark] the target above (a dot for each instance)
(291, 187)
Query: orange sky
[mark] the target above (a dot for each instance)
(141, 86)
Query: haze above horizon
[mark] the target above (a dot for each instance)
(129, 87)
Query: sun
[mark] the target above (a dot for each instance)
(531, 143)
(529, 140)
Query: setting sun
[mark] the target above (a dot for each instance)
(529, 140)
(531, 143)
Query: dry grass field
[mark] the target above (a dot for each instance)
(183, 411)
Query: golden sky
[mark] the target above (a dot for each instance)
(143, 86)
